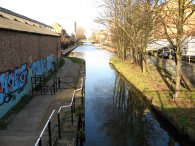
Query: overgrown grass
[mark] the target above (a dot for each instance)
(61, 63)
(16, 109)
(158, 89)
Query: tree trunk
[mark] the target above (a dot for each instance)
(178, 77)
(124, 53)
(144, 65)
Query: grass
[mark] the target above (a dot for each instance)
(61, 63)
(159, 89)
(16, 109)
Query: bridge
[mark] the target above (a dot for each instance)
(87, 41)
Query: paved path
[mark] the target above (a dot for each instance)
(26, 126)
(66, 51)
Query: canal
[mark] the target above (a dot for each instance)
(115, 114)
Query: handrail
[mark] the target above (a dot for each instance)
(189, 58)
(42, 132)
(73, 96)
(38, 142)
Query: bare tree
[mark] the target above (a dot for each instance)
(174, 16)
(131, 24)
(80, 33)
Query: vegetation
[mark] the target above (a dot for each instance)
(80, 34)
(134, 24)
(60, 63)
(180, 112)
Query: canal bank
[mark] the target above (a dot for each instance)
(115, 114)
(156, 89)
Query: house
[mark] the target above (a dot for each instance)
(66, 39)
(168, 17)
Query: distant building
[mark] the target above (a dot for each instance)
(168, 14)
(58, 28)
(167, 17)
(103, 37)
(27, 48)
(66, 39)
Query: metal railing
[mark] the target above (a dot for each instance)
(48, 126)
(188, 56)
(189, 59)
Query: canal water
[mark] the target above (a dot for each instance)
(115, 114)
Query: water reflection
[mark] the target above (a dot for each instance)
(130, 123)
(115, 114)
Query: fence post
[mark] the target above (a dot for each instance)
(74, 104)
(82, 98)
(59, 82)
(40, 142)
(189, 59)
(49, 130)
(72, 114)
(59, 126)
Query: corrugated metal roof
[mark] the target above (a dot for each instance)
(12, 21)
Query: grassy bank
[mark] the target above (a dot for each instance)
(158, 89)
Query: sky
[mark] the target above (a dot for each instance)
(64, 12)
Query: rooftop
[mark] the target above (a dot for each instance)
(12, 21)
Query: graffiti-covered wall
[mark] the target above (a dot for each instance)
(17, 82)
(12, 81)
(43, 66)
(23, 55)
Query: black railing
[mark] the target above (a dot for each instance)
(39, 83)
(50, 137)
(189, 59)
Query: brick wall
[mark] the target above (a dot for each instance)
(17, 48)
(23, 55)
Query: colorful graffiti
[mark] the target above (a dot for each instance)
(11, 81)
(43, 66)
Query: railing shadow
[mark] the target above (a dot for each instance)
(52, 130)
(164, 74)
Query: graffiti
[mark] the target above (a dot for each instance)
(8, 98)
(12, 81)
(43, 66)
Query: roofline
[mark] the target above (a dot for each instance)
(13, 30)
(23, 17)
